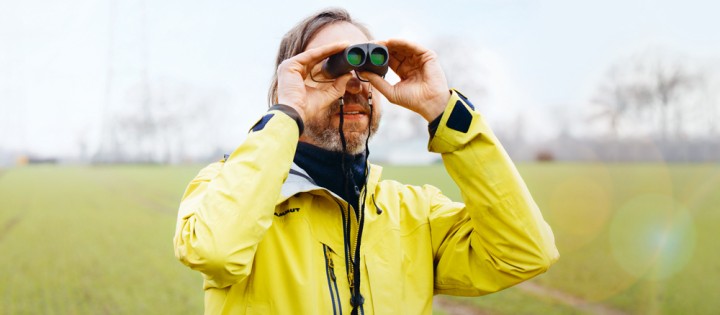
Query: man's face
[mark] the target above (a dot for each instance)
(321, 127)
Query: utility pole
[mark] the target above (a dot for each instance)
(125, 127)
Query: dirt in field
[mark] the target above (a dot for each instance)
(454, 307)
(570, 300)
(457, 307)
(8, 225)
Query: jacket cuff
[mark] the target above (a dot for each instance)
(457, 125)
(433, 125)
(287, 110)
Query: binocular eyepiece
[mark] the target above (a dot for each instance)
(360, 57)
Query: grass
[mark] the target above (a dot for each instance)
(637, 237)
(93, 241)
(97, 240)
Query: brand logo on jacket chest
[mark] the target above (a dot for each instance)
(291, 210)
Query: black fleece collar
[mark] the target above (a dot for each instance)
(325, 168)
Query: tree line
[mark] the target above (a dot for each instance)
(654, 105)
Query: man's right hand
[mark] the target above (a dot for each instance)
(292, 72)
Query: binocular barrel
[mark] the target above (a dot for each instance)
(361, 57)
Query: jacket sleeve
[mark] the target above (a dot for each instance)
(229, 206)
(498, 237)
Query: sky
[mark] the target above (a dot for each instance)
(65, 66)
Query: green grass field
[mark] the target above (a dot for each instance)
(634, 238)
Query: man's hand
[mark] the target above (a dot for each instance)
(292, 72)
(422, 87)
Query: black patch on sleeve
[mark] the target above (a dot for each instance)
(460, 118)
(261, 123)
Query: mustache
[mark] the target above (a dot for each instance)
(350, 99)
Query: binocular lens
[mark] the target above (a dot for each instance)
(378, 56)
(356, 56)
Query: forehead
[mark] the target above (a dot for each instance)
(337, 32)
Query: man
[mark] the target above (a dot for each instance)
(295, 222)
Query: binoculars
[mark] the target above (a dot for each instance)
(360, 57)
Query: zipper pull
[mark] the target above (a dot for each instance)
(331, 265)
(378, 210)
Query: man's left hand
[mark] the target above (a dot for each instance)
(422, 87)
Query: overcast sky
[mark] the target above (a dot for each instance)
(62, 63)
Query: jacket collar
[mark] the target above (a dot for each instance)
(298, 181)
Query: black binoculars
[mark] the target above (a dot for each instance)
(360, 57)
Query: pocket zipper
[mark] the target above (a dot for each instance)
(330, 272)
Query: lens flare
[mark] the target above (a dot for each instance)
(587, 202)
(652, 236)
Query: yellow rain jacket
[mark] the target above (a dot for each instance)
(269, 241)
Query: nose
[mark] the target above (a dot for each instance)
(353, 86)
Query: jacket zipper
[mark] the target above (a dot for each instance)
(348, 247)
(359, 220)
(352, 241)
(330, 272)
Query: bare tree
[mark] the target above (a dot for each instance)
(157, 129)
(463, 65)
(671, 85)
(616, 96)
(653, 85)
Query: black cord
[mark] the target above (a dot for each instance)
(348, 260)
(356, 299)
(367, 139)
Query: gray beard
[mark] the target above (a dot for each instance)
(327, 137)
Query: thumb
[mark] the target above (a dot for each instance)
(379, 83)
(340, 83)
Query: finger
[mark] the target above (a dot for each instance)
(315, 55)
(395, 57)
(402, 55)
(340, 83)
(403, 65)
(395, 62)
(331, 93)
(405, 47)
(379, 83)
(379, 42)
